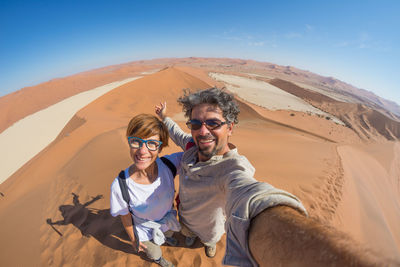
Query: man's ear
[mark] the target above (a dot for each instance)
(230, 128)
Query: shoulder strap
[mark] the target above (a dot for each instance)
(170, 165)
(125, 195)
(124, 187)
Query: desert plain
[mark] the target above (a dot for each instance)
(335, 147)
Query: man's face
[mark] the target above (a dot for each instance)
(210, 142)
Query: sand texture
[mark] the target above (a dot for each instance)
(266, 95)
(22, 144)
(54, 210)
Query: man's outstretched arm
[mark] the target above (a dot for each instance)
(281, 236)
(179, 137)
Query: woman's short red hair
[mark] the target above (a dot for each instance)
(146, 125)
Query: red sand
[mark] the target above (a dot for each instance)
(55, 210)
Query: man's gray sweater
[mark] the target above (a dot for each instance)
(221, 193)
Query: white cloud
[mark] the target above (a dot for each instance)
(234, 38)
(364, 36)
(255, 40)
(342, 44)
(364, 40)
(256, 43)
(293, 35)
(309, 28)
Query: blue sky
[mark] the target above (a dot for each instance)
(354, 41)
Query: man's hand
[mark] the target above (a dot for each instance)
(161, 110)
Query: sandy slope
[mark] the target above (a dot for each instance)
(82, 162)
(57, 205)
(268, 96)
(27, 137)
(369, 124)
(370, 210)
(28, 100)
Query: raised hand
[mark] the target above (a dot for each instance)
(161, 110)
(141, 247)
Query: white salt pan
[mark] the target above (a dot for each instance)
(27, 137)
(266, 95)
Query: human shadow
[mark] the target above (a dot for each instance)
(99, 224)
(95, 223)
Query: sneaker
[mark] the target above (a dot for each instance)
(210, 251)
(164, 263)
(189, 241)
(173, 242)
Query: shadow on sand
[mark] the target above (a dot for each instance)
(101, 225)
(94, 222)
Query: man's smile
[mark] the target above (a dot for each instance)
(205, 140)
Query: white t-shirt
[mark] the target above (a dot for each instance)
(148, 201)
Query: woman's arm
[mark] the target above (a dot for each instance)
(127, 222)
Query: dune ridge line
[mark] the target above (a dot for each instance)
(25, 138)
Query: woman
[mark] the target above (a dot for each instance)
(150, 185)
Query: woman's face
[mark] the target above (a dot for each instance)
(143, 157)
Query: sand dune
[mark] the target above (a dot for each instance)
(332, 94)
(367, 123)
(73, 164)
(57, 204)
(370, 209)
(28, 100)
(27, 137)
(267, 95)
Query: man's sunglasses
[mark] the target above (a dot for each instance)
(211, 124)
(136, 143)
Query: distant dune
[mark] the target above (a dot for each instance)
(269, 96)
(365, 121)
(57, 204)
(28, 100)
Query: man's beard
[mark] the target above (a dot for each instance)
(204, 151)
(208, 154)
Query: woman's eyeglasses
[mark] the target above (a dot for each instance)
(211, 124)
(136, 142)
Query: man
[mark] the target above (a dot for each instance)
(265, 226)
(216, 183)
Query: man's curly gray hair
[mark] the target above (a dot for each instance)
(214, 96)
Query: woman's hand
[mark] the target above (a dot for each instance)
(142, 247)
(127, 223)
(161, 110)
